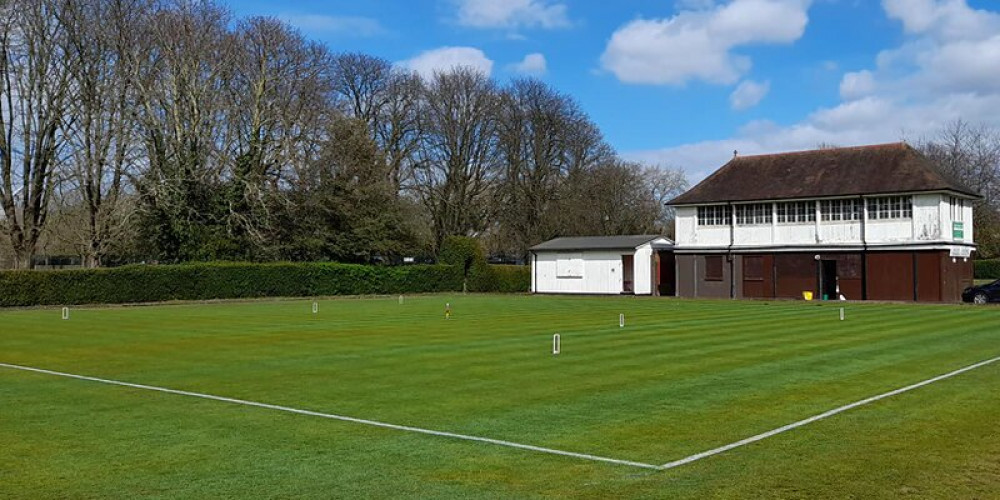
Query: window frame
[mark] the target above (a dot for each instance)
(841, 210)
(890, 208)
(713, 215)
(796, 212)
(754, 214)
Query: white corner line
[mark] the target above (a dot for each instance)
(362, 421)
(821, 416)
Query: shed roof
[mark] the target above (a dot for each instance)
(597, 242)
(853, 171)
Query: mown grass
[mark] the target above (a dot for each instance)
(682, 377)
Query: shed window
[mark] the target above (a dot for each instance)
(796, 211)
(890, 207)
(713, 268)
(569, 265)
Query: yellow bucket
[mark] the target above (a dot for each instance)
(807, 295)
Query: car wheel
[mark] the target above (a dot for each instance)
(980, 298)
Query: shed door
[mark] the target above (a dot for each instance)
(628, 274)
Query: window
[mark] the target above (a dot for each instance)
(796, 211)
(569, 265)
(754, 213)
(957, 209)
(890, 207)
(713, 268)
(715, 215)
(840, 210)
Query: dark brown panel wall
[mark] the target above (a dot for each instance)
(692, 280)
(929, 276)
(956, 275)
(794, 273)
(890, 276)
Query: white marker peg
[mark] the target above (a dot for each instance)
(556, 344)
(65, 313)
(400, 300)
(621, 321)
(841, 314)
(315, 307)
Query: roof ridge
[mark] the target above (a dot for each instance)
(824, 150)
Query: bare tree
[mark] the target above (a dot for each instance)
(181, 68)
(101, 135)
(276, 116)
(971, 154)
(664, 184)
(34, 91)
(543, 135)
(458, 161)
(387, 100)
(617, 201)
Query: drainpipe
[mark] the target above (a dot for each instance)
(864, 248)
(729, 251)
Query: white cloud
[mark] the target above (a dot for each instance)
(943, 19)
(444, 59)
(532, 64)
(339, 25)
(944, 70)
(512, 14)
(748, 94)
(856, 85)
(698, 44)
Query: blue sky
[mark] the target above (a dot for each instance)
(686, 82)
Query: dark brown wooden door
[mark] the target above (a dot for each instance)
(628, 273)
(758, 276)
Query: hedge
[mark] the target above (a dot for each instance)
(467, 254)
(988, 269)
(219, 281)
(500, 279)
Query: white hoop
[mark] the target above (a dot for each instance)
(556, 344)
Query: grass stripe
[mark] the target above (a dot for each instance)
(374, 423)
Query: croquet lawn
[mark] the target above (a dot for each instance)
(680, 378)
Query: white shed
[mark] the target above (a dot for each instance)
(640, 265)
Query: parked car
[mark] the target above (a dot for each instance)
(982, 294)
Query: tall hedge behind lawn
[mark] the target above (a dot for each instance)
(219, 281)
(988, 269)
(500, 279)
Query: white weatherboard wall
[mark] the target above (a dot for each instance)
(931, 223)
(601, 271)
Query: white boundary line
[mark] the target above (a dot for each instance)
(510, 444)
(821, 416)
(374, 423)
